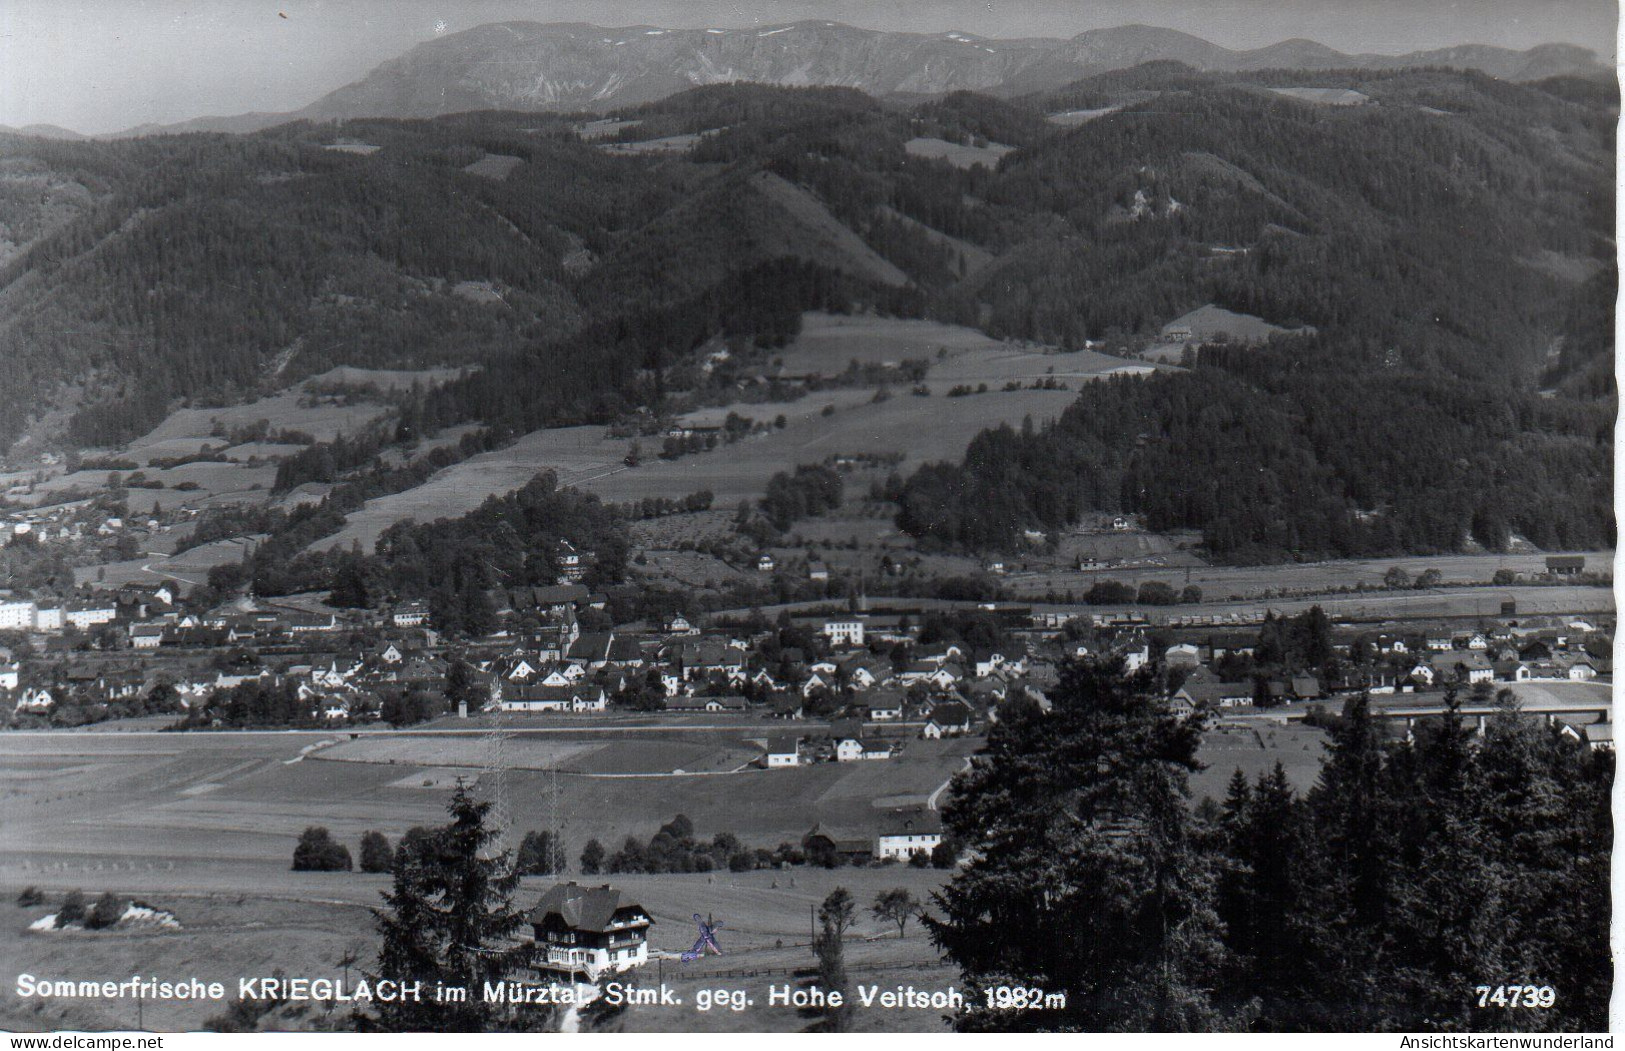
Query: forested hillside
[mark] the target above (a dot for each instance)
(1437, 254)
(1447, 242)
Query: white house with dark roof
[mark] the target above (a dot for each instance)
(783, 751)
(522, 698)
(904, 833)
(584, 932)
(855, 749)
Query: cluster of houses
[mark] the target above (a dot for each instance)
(542, 662)
(1396, 663)
(70, 521)
(868, 673)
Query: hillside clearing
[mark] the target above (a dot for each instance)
(823, 235)
(959, 156)
(576, 453)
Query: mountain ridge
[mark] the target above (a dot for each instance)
(579, 67)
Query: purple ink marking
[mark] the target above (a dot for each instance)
(706, 941)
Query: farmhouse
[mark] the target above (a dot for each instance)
(1464, 665)
(785, 706)
(783, 751)
(948, 719)
(1205, 694)
(1565, 565)
(553, 599)
(523, 698)
(854, 749)
(582, 932)
(904, 833)
(847, 843)
(1306, 687)
(886, 708)
(146, 636)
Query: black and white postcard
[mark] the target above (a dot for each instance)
(777, 516)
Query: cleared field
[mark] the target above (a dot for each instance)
(799, 411)
(1255, 749)
(1324, 96)
(163, 804)
(191, 566)
(384, 379)
(829, 342)
(577, 454)
(603, 129)
(666, 533)
(494, 166)
(1074, 117)
(692, 568)
(282, 411)
(922, 429)
(1450, 604)
(959, 156)
(826, 236)
(667, 144)
(532, 752)
(632, 756)
(1537, 695)
(213, 480)
(261, 451)
(1004, 364)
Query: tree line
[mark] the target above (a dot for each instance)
(1411, 873)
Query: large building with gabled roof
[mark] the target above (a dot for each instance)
(583, 932)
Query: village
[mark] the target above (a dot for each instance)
(832, 684)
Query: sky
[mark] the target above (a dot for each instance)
(105, 65)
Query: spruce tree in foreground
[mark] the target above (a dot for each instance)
(449, 918)
(1089, 878)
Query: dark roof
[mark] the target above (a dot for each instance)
(592, 646)
(582, 908)
(1215, 692)
(843, 728)
(911, 822)
(625, 649)
(554, 594)
(550, 693)
(951, 713)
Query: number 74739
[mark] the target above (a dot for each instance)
(1516, 996)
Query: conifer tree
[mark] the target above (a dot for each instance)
(450, 918)
(1085, 812)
